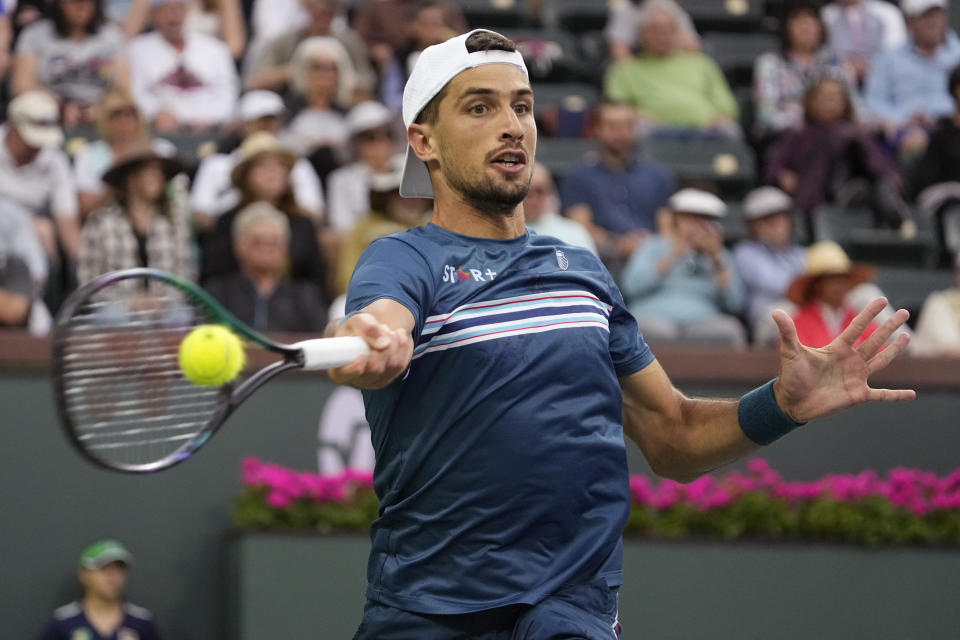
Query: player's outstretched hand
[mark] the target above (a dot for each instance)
(390, 352)
(818, 382)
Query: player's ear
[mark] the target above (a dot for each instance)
(420, 139)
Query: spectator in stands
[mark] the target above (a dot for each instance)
(906, 90)
(389, 213)
(323, 78)
(682, 285)
(820, 294)
(75, 54)
(20, 246)
(372, 135)
(670, 88)
(35, 173)
(273, 69)
(938, 174)
(119, 124)
(621, 30)
(859, 30)
(616, 196)
(221, 19)
(540, 212)
(181, 79)
(146, 224)
(259, 292)
(101, 611)
(262, 174)
(938, 326)
(384, 26)
(427, 27)
(6, 42)
(17, 291)
(213, 193)
(781, 78)
(832, 158)
(768, 260)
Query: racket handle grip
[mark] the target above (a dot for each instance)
(328, 353)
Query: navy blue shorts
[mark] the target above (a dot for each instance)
(577, 612)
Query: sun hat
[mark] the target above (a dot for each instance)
(434, 69)
(918, 7)
(766, 201)
(254, 105)
(697, 202)
(826, 258)
(103, 552)
(254, 146)
(138, 153)
(36, 117)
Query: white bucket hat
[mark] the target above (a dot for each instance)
(436, 66)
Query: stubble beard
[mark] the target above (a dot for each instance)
(485, 195)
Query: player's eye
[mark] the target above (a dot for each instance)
(522, 108)
(478, 109)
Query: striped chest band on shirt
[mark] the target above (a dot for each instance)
(506, 317)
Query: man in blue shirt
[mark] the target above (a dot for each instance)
(906, 91)
(504, 371)
(615, 195)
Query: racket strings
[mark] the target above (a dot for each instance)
(126, 398)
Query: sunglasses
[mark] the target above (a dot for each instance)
(122, 112)
(372, 136)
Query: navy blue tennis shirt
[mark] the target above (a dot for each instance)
(501, 465)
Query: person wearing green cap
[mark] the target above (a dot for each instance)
(102, 613)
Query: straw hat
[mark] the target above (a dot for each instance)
(136, 155)
(254, 146)
(826, 259)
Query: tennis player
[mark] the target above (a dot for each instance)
(504, 373)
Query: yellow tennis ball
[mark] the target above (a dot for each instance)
(211, 355)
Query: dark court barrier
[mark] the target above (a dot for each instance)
(53, 502)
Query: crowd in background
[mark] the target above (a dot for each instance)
(254, 146)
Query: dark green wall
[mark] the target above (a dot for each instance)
(672, 590)
(53, 503)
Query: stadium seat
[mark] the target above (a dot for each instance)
(576, 16)
(559, 154)
(728, 163)
(734, 228)
(492, 14)
(908, 287)
(736, 53)
(725, 15)
(854, 229)
(563, 109)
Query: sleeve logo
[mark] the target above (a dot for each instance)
(562, 261)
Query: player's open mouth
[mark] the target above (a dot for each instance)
(510, 161)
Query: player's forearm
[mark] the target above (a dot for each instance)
(699, 436)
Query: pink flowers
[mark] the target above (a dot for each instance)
(284, 486)
(904, 507)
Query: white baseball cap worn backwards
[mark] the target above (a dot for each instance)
(437, 66)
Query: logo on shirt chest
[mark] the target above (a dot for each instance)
(456, 275)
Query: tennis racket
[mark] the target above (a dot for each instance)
(123, 400)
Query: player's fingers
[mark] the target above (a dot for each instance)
(891, 395)
(855, 329)
(879, 337)
(789, 341)
(886, 356)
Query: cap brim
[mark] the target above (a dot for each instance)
(415, 181)
(38, 137)
(107, 557)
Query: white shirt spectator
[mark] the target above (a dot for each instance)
(17, 237)
(563, 229)
(198, 85)
(42, 186)
(213, 193)
(349, 194)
